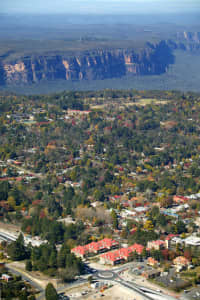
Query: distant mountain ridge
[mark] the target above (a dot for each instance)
(151, 58)
(88, 65)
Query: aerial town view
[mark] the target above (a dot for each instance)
(100, 150)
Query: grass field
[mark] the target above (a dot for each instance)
(147, 101)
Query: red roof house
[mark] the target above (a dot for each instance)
(156, 245)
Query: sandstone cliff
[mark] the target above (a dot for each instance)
(87, 65)
(186, 41)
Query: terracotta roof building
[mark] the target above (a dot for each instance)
(152, 262)
(121, 255)
(156, 245)
(181, 261)
(95, 247)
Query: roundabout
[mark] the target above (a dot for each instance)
(109, 275)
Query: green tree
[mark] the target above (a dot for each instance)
(180, 227)
(50, 292)
(114, 219)
(17, 250)
(28, 265)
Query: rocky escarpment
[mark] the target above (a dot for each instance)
(187, 41)
(188, 36)
(87, 65)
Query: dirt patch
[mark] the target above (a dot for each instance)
(114, 293)
(9, 227)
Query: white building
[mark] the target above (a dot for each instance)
(192, 241)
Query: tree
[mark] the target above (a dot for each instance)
(53, 259)
(4, 189)
(114, 219)
(144, 253)
(180, 227)
(148, 225)
(99, 195)
(17, 250)
(12, 202)
(23, 295)
(50, 292)
(166, 201)
(28, 265)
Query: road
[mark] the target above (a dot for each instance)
(28, 279)
(146, 293)
(26, 171)
(7, 237)
(110, 276)
(41, 295)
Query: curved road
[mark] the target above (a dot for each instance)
(108, 275)
(38, 287)
(146, 293)
(26, 278)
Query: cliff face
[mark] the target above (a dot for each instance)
(193, 37)
(187, 41)
(90, 65)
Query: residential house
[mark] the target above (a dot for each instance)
(80, 251)
(156, 245)
(151, 274)
(112, 258)
(181, 262)
(6, 277)
(137, 248)
(192, 241)
(168, 240)
(180, 199)
(121, 255)
(152, 262)
(95, 247)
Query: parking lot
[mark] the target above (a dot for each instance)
(171, 280)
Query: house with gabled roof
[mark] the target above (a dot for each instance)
(121, 255)
(95, 247)
(181, 262)
(156, 245)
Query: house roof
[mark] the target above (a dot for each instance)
(137, 248)
(112, 256)
(152, 260)
(170, 236)
(123, 253)
(181, 260)
(96, 246)
(158, 242)
(79, 250)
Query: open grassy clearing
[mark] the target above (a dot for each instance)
(146, 101)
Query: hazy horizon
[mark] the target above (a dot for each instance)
(99, 6)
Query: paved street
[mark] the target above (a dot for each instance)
(112, 276)
(146, 293)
